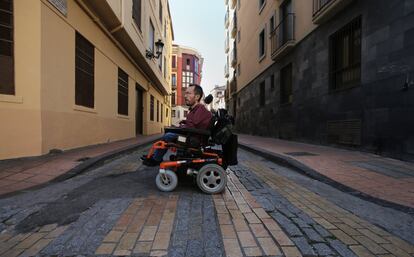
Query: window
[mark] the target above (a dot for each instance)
(262, 44)
(261, 5)
(173, 113)
(345, 56)
(162, 113)
(238, 36)
(185, 114)
(166, 113)
(165, 29)
(238, 69)
(272, 23)
(136, 12)
(238, 4)
(174, 80)
(122, 92)
(152, 108)
(174, 61)
(158, 111)
(262, 93)
(160, 9)
(196, 65)
(272, 82)
(84, 72)
(173, 98)
(6, 48)
(187, 78)
(286, 84)
(151, 41)
(187, 67)
(178, 113)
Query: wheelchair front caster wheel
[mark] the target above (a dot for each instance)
(212, 179)
(167, 181)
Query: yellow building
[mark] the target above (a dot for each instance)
(77, 72)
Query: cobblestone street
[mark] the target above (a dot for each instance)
(266, 210)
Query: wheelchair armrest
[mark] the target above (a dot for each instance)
(187, 131)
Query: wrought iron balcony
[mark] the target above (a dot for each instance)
(226, 45)
(234, 26)
(283, 36)
(233, 57)
(226, 70)
(323, 10)
(233, 3)
(226, 20)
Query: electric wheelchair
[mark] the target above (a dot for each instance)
(198, 153)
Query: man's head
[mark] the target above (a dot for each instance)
(193, 95)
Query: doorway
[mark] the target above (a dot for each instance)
(139, 110)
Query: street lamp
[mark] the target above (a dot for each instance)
(159, 45)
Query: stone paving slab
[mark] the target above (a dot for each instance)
(260, 213)
(388, 180)
(318, 227)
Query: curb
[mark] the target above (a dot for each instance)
(84, 166)
(302, 168)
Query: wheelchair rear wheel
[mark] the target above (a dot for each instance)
(212, 179)
(166, 182)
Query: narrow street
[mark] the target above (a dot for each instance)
(266, 210)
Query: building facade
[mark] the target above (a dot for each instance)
(335, 72)
(187, 66)
(75, 73)
(231, 36)
(218, 98)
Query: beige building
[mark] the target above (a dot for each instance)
(76, 72)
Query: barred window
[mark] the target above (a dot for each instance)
(6, 48)
(136, 12)
(84, 72)
(345, 56)
(158, 111)
(162, 113)
(122, 92)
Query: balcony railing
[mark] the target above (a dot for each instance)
(325, 9)
(226, 70)
(234, 26)
(283, 36)
(233, 3)
(226, 20)
(233, 57)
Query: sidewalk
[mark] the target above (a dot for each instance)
(389, 181)
(24, 173)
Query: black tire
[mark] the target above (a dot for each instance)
(212, 179)
(171, 181)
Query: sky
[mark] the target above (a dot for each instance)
(200, 24)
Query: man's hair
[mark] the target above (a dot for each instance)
(197, 90)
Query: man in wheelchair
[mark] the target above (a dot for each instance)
(198, 118)
(195, 147)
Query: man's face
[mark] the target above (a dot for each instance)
(190, 97)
